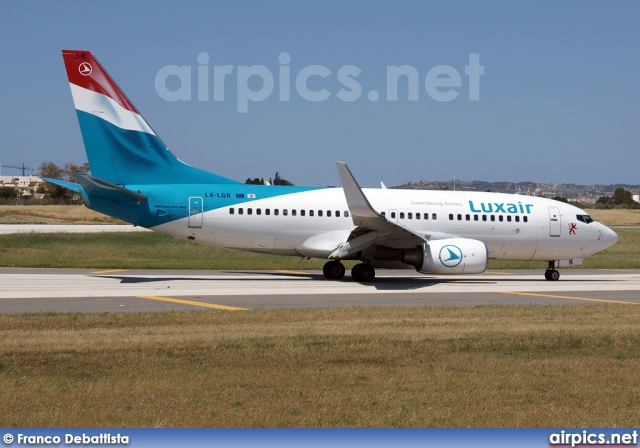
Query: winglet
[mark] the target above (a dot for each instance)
(356, 200)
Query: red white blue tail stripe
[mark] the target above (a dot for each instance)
(121, 146)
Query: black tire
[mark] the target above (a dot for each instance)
(551, 275)
(333, 270)
(363, 273)
(356, 272)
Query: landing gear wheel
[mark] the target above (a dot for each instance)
(363, 273)
(333, 270)
(551, 275)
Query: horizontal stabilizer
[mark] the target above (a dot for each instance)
(68, 185)
(94, 186)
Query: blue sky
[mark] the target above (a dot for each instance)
(559, 100)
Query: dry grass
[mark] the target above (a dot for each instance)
(616, 217)
(443, 367)
(76, 214)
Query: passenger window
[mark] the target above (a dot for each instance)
(500, 218)
(393, 215)
(240, 211)
(450, 216)
(484, 217)
(517, 219)
(337, 213)
(285, 212)
(525, 219)
(231, 211)
(267, 211)
(319, 212)
(328, 213)
(509, 218)
(346, 214)
(459, 217)
(409, 215)
(249, 211)
(434, 216)
(276, 212)
(301, 212)
(294, 212)
(426, 216)
(417, 215)
(382, 213)
(475, 217)
(468, 218)
(401, 215)
(493, 218)
(310, 212)
(258, 211)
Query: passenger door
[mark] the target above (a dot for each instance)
(554, 221)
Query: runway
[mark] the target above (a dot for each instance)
(75, 290)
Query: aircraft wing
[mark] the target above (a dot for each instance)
(372, 227)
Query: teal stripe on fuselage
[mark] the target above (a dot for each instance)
(166, 203)
(126, 157)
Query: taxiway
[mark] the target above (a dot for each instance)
(76, 290)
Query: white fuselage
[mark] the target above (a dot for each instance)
(313, 223)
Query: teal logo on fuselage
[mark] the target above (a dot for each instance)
(500, 207)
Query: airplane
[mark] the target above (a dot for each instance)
(134, 177)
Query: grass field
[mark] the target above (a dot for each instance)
(156, 251)
(574, 366)
(528, 366)
(75, 214)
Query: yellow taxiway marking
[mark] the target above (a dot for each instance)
(191, 302)
(568, 297)
(108, 272)
(294, 272)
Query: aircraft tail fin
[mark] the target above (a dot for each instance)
(121, 146)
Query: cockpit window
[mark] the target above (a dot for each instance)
(584, 218)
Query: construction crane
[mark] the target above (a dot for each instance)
(23, 168)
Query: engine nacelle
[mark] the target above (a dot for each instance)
(449, 256)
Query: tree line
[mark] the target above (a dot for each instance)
(277, 180)
(621, 198)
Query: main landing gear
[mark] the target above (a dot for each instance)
(551, 274)
(333, 270)
(363, 273)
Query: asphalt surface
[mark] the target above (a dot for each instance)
(78, 290)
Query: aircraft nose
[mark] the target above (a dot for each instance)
(607, 237)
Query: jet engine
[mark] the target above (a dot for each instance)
(448, 256)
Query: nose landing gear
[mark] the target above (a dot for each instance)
(551, 273)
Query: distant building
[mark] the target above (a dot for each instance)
(26, 184)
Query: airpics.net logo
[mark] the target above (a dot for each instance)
(313, 83)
